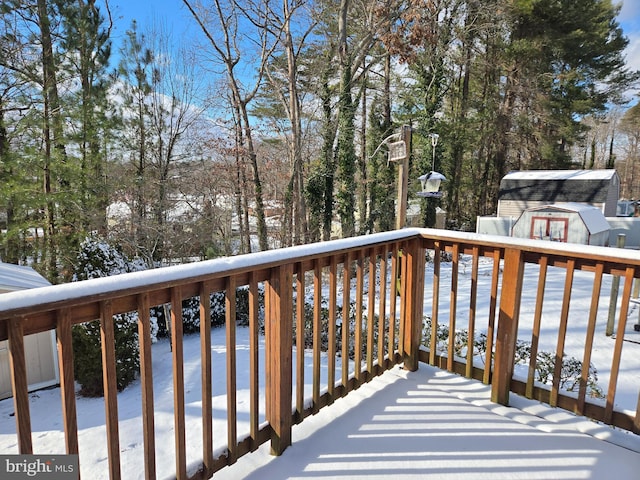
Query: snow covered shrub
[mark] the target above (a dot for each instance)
(308, 326)
(99, 259)
(442, 335)
(570, 373)
(191, 311)
(191, 315)
(218, 308)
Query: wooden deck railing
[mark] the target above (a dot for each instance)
(507, 259)
(381, 276)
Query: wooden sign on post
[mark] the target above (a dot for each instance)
(397, 151)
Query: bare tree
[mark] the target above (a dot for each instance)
(221, 24)
(285, 84)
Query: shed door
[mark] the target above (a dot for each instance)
(550, 228)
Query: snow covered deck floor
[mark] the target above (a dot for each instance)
(433, 424)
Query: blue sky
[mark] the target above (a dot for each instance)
(629, 19)
(177, 18)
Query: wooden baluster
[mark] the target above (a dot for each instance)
(206, 377)
(230, 326)
(371, 311)
(617, 350)
(393, 302)
(254, 362)
(382, 308)
(146, 381)
(317, 333)
(177, 353)
(537, 320)
(562, 333)
(472, 312)
(67, 381)
(110, 383)
(300, 339)
(333, 294)
(359, 308)
(433, 344)
(346, 308)
(495, 278)
(588, 344)
(453, 304)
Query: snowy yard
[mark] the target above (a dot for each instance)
(48, 436)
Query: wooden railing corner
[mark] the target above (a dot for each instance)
(413, 265)
(278, 328)
(507, 334)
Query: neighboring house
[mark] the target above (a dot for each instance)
(567, 222)
(40, 349)
(523, 190)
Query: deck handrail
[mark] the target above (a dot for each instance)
(381, 275)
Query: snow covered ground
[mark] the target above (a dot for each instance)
(46, 410)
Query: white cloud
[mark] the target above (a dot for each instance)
(629, 13)
(632, 52)
(629, 19)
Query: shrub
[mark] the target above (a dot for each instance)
(191, 311)
(99, 259)
(570, 373)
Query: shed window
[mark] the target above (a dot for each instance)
(549, 228)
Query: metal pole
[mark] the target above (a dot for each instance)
(403, 179)
(615, 286)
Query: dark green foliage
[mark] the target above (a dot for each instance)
(88, 356)
(191, 312)
(324, 329)
(99, 259)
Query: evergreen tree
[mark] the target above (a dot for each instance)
(88, 36)
(99, 259)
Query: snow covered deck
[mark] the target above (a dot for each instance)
(526, 317)
(434, 424)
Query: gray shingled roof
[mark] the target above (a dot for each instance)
(585, 186)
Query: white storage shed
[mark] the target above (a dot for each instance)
(40, 348)
(566, 222)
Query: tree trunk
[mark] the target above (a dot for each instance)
(52, 137)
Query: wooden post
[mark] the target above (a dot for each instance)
(279, 325)
(507, 325)
(20, 386)
(413, 299)
(403, 179)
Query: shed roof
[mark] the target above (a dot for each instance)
(16, 277)
(592, 217)
(589, 186)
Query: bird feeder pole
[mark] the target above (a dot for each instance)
(403, 179)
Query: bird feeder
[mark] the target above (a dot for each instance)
(431, 184)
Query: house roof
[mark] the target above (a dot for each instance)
(16, 277)
(592, 217)
(588, 186)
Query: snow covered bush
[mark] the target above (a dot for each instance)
(570, 372)
(191, 311)
(308, 327)
(99, 259)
